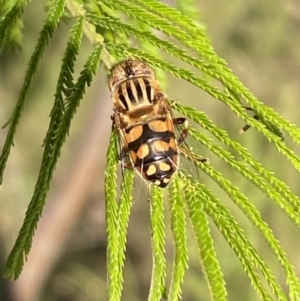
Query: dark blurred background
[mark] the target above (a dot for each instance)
(260, 42)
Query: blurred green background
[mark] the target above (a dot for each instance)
(260, 42)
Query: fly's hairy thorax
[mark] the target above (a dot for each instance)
(136, 97)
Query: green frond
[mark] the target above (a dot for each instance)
(178, 226)
(271, 127)
(23, 244)
(248, 174)
(209, 262)
(263, 111)
(10, 21)
(51, 23)
(169, 21)
(111, 213)
(201, 197)
(147, 36)
(76, 10)
(152, 49)
(202, 119)
(117, 218)
(280, 145)
(254, 216)
(158, 286)
(124, 208)
(65, 80)
(189, 8)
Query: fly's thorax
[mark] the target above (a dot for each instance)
(129, 69)
(158, 115)
(136, 97)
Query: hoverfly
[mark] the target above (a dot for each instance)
(144, 121)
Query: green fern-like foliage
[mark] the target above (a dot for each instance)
(102, 22)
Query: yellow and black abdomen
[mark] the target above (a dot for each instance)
(154, 153)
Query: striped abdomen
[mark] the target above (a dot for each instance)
(152, 148)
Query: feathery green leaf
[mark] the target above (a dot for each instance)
(124, 208)
(111, 212)
(158, 286)
(23, 244)
(257, 180)
(178, 226)
(10, 21)
(201, 197)
(254, 216)
(209, 262)
(189, 8)
(202, 119)
(51, 23)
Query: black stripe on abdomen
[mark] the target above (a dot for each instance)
(147, 135)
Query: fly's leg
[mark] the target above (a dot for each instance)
(125, 165)
(123, 158)
(203, 160)
(113, 122)
(117, 123)
(247, 126)
(189, 154)
(114, 127)
(148, 193)
(183, 135)
(271, 127)
(184, 132)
